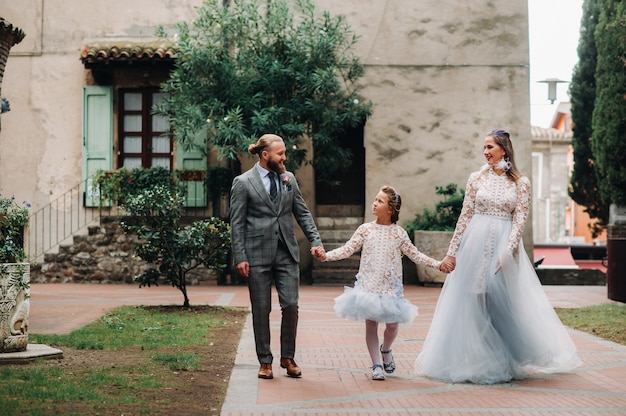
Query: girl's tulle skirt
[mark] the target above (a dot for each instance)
(493, 324)
(359, 305)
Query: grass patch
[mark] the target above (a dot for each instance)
(154, 327)
(133, 360)
(605, 321)
(178, 362)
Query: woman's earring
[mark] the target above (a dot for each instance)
(504, 164)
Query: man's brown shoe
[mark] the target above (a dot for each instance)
(292, 368)
(265, 371)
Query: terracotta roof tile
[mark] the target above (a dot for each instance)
(540, 133)
(151, 51)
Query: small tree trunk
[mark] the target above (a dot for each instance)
(183, 287)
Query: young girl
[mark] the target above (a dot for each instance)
(377, 295)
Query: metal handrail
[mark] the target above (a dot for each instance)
(61, 219)
(57, 222)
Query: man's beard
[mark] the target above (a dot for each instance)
(276, 167)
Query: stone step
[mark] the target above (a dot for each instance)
(336, 224)
(339, 211)
(351, 263)
(331, 245)
(344, 223)
(335, 236)
(333, 277)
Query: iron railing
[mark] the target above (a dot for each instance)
(59, 221)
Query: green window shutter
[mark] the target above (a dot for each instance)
(97, 138)
(193, 159)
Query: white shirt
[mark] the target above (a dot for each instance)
(264, 173)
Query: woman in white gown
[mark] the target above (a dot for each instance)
(493, 321)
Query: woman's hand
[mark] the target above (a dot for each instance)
(447, 264)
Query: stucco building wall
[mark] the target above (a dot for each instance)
(41, 137)
(440, 74)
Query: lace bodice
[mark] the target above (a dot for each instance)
(382, 247)
(488, 193)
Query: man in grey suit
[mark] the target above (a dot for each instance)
(265, 248)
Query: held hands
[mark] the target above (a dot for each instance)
(319, 253)
(447, 264)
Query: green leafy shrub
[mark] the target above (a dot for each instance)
(155, 217)
(445, 214)
(13, 219)
(116, 185)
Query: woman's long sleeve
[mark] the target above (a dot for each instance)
(520, 215)
(467, 212)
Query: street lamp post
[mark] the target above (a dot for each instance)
(552, 83)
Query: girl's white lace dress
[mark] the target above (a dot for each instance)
(493, 321)
(378, 291)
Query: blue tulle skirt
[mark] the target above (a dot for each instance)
(493, 324)
(359, 305)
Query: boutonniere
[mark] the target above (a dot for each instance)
(287, 182)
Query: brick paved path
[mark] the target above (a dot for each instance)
(334, 360)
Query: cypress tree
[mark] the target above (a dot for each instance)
(609, 114)
(583, 182)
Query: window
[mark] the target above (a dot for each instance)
(143, 136)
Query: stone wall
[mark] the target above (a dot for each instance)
(104, 255)
(571, 276)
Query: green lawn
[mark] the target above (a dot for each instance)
(606, 321)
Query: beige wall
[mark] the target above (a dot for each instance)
(440, 74)
(550, 183)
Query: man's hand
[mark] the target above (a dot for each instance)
(319, 253)
(243, 268)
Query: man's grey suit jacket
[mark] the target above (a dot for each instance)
(257, 223)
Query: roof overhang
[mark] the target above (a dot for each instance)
(102, 58)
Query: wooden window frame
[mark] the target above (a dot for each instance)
(147, 155)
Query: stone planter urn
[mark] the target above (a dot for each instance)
(434, 244)
(14, 306)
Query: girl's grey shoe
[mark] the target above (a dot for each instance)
(377, 372)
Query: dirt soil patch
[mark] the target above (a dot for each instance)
(189, 392)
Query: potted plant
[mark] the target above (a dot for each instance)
(14, 276)
(432, 230)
